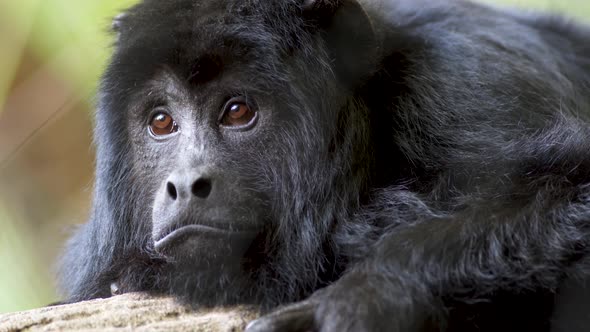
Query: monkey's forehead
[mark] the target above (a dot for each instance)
(205, 37)
(201, 18)
(181, 31)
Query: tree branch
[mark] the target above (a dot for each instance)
(129, 312)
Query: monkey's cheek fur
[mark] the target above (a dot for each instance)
(189, 241)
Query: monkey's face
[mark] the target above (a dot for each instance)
(207, 144)
(227, 127)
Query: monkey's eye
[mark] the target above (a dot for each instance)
(237, 113)
(162, 124)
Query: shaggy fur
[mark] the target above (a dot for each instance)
(428, 161)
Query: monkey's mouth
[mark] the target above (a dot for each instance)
(198, 239)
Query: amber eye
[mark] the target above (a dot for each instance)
(162, 124)
(237, 113)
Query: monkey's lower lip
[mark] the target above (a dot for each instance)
(203, 236)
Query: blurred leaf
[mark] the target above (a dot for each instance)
(574, 8)
(71, 35)
(25, 280)
(13, 39)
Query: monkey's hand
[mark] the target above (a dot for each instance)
(353, 303)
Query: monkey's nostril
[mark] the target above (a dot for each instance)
(201, 188)
(171, 190)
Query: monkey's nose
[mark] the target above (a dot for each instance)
(187, 186)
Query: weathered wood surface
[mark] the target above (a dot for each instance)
(129, 312)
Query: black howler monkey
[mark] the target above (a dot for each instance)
(385, 165)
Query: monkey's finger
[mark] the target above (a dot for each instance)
(296, 318)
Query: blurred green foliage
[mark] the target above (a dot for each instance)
(72, 36)
(21, 279)
(576, 8)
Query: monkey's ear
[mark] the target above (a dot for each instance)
(349, 34)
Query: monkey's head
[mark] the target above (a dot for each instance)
(229, 140)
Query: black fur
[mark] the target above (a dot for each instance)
(427, 161)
